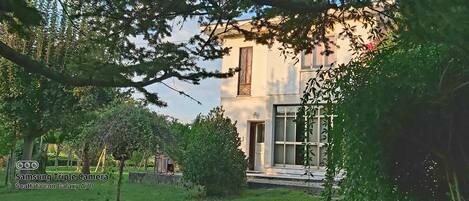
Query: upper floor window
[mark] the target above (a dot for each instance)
(245, 65)
(317, 57)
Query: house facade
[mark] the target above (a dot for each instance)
(263, 97)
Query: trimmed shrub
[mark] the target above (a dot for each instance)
(212, 157)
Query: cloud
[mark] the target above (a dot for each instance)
(208, 92)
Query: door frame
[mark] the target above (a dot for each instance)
(252, 137)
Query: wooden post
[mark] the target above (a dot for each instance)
(104, 160)
(99, 161)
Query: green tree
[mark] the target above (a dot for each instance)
(212, 157)
(106, 56)
(125, 129)
(93, 101)
(31, 104)
(297, 25)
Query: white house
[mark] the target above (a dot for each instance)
(264, 96)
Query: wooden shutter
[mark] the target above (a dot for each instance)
(245, 73)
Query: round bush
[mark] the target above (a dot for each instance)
(212, 157)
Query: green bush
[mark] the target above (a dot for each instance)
(212, 157)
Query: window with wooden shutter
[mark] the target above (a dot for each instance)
(245, 65)
(317, 57)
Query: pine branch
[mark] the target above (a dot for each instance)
(182, 93)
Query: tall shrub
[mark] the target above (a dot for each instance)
(212, 157)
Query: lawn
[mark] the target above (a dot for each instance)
(103, 191)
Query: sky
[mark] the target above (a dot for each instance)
(208, 92)
(181, 107)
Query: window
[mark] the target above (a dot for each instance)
(290, 142)
(245, 65)
(260, 132)
(317, 57)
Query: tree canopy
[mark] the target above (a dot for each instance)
(106, 28)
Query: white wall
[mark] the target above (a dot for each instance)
(275, 80)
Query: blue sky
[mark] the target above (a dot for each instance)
(208, 92)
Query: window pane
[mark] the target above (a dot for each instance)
(313, 151)
(278, 154)
(323, 134)
(291, 129)
(307, 60)
(300, 129)
(290, 155)
(260, 133)
(291, 110)
(300, 155)
(279, 128)
(313, 136)
(320, 111)
(323, 156)
(280, 110)
(318, 58)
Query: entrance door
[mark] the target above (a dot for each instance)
(256, 145)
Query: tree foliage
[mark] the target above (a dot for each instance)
(212, 157)
(31, 104)
(400, 122)
(128, 128)
(104, 53)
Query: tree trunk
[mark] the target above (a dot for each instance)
(119, 181)
(145, 164)
(42, 158)
(28, 146)
(11, 167)
(57, 153)
(85, 159)
(7, 170)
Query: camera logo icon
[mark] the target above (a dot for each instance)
(27, 165)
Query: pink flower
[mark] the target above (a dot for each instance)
(370, 46)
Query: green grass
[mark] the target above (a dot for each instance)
(103, 191)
